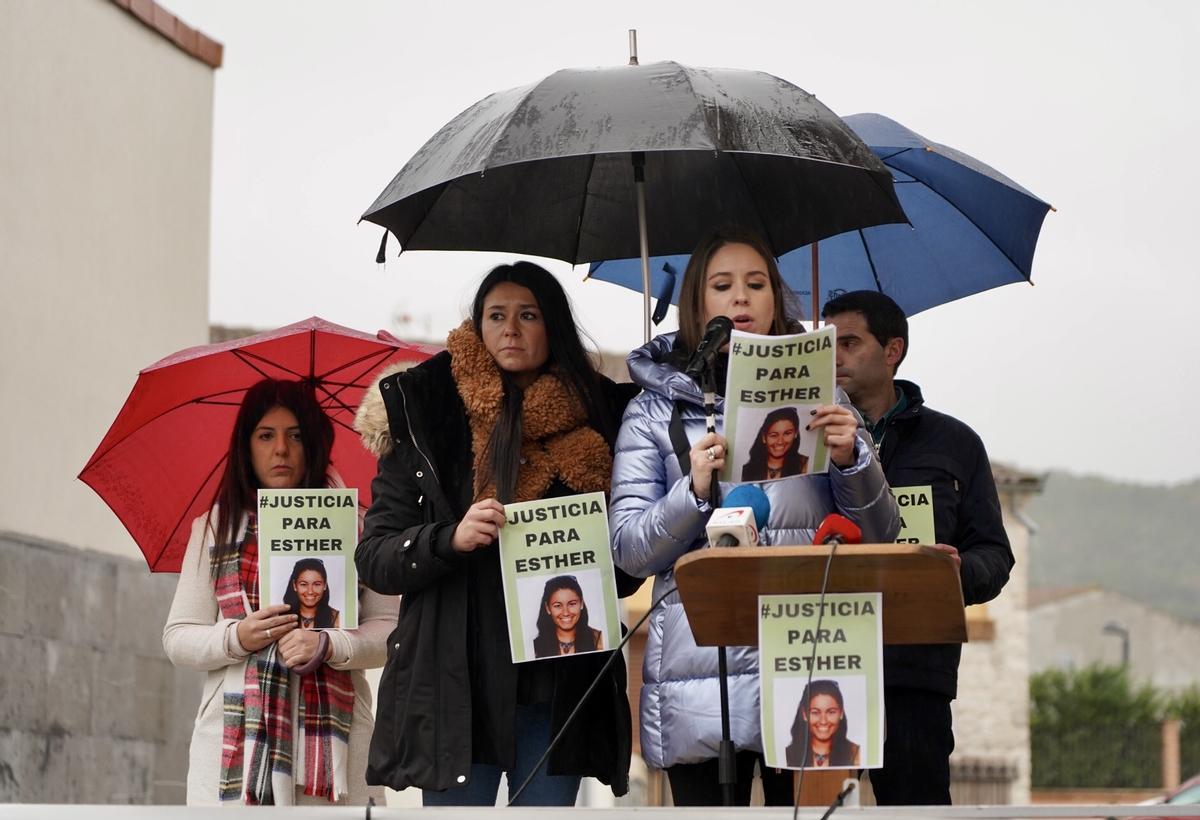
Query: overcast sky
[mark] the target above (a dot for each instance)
(1093, 106)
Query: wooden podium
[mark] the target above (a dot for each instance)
(922, 600)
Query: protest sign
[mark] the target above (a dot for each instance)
(774, 384)
(306, 541)
(560, 589)
(916, 514)
(821, 709)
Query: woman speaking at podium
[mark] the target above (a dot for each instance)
(659, 510)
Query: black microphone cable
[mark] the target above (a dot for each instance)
(616, 652)
(812, 664)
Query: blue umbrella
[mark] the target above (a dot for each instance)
(972, 229)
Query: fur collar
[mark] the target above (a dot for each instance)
(371, 419)
(557, 443)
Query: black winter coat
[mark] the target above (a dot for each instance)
(423, 726)
(922, 446)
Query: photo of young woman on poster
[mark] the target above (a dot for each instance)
(821, 721)
(562, 621)
(775, 452)
(308, 595)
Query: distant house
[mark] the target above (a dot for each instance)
(991, 761)
(1070, 628)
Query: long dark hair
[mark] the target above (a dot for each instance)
(324, 616)
(691, 292)
(545, 645)
(236, 493)
(841, 752)
(756, 467)
(566, 355)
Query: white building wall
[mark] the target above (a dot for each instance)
(991, 714)
(105, 163)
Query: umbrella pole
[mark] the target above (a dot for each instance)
(639, 182)
(816, 285)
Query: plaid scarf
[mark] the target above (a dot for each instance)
(257, 744)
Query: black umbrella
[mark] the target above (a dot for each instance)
(552, 168)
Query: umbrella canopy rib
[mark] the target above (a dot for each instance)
(870, 262)
(762, 224)
(183, 515)
(244, 357)
(585, 200)
(99, 454)
(1002, 251)
(312, 355)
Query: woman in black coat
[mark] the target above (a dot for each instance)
(512, 411)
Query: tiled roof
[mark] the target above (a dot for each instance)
(1012, 478)
(190, 41)
(1040, 596)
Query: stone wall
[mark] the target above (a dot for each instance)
(91, 710)
(991, 714)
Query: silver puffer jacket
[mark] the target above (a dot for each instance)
(655, 520)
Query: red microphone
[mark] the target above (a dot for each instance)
(837, 529)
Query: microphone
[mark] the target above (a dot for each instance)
(736, 523)
(837, 529)
(716, 335)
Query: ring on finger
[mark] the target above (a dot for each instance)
(268, 631)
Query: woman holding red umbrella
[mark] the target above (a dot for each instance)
(286, 712)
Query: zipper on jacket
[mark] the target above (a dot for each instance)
(437, 744)
(413, 438)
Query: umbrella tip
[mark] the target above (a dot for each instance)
(381, 256)
(633, 58)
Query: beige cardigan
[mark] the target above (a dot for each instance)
(197, 637)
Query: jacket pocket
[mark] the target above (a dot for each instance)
(211, 698)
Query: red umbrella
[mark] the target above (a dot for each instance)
(159, 464)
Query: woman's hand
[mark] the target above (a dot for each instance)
(298, 647)
(841, 428)
(706, 456)
(479, 527)
(265, 626)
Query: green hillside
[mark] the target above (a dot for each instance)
(1137, 539)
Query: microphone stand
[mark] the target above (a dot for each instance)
(727, 754)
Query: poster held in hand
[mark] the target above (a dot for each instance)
(773, 385)
(560, 592)
(835, 719)
(916, 515)
(306, 542)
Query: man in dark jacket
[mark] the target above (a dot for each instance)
(919, 447)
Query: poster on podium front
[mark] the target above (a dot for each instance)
(821, 679)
